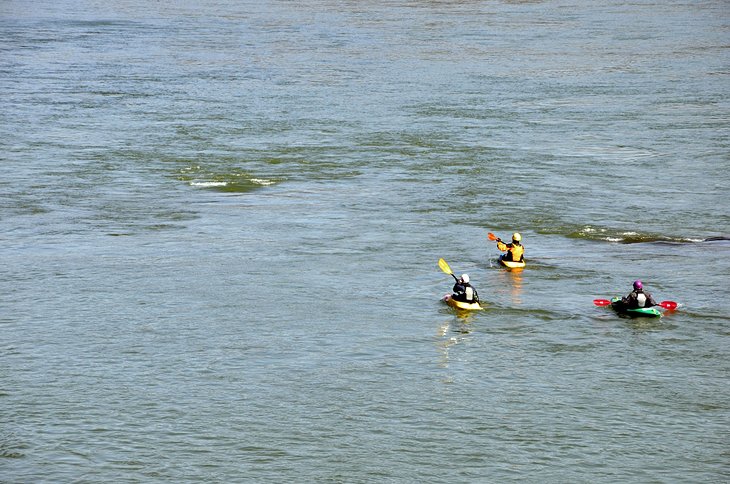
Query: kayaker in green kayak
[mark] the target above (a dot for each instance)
(463, 291)
(638, 298)
(514, 251)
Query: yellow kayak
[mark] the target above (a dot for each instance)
(475, 306)
(510, 264)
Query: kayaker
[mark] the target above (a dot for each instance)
(638, 298)
(514, 251)
(463, 291)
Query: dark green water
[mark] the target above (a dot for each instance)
(220, 224)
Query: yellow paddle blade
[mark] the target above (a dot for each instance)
(445, 267)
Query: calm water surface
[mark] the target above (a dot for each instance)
(220, 224)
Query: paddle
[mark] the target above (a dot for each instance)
(445, 267)
(665, 304)
(492, 237)
(668, 305)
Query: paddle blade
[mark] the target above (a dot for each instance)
(445, 267)
(601, 302)
(668, 304)
(491, 236)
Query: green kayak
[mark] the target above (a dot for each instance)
(620, 308)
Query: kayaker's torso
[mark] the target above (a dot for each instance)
(465, 292)
(638, 299)
(514, 250)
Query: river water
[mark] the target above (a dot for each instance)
(220, 223)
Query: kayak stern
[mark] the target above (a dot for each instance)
(619, 307)
(510, 264)
(461, 305)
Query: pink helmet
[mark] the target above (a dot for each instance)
(638, 284)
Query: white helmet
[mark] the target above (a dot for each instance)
(465, 277)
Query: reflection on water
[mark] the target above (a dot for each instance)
(645, 325)
(512, 279)
(451, 333)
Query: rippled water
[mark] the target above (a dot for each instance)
(220, 223)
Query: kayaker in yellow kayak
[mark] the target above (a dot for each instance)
(638, 298)
(514, 251)
(463, 291)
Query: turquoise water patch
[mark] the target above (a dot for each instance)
(229, 182)
(590, 232)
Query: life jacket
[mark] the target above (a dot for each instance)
(641, 299)
(517, 251)
(465, 293)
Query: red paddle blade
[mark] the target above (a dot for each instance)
(601, 302)
(491, 236)
(668, 304)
